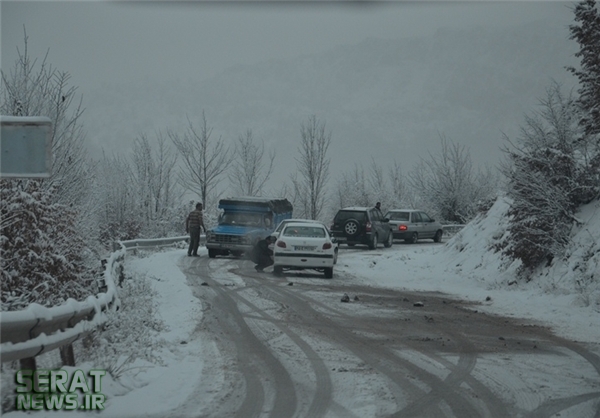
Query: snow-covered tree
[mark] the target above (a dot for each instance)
(387, 185)
(44, 256)
(30, 90)
(313, 167)
(549, 175)
(44, 259)
(114, 193)
(447, 184)
(378, 185)
(587, 33)
(399, 192)
(353, 189)
(250, 168)
(156, 192)
(204, 160)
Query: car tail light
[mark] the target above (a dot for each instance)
(368, 226)
(281, 244)
(402, 227)
(327, 246)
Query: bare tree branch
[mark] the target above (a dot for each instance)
(204, 160)
(313, 167)
(250, 171)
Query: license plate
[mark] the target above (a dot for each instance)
(304, 248)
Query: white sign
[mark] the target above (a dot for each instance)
(26, 147)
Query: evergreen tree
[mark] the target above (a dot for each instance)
(587, 34)
(44, 259)
(549, 177)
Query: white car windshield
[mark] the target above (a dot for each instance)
(304, 232)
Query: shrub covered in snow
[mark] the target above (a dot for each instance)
(128, 342)
(551, 173)
(449, 186)
(130, 333)
(44, 259)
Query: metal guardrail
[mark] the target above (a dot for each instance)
(37, 329)
(150, 243)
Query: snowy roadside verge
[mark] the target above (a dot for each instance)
(466, 268)
(162, 388)
(150, 388)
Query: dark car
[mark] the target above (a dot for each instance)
(412, 225)
(360, 225)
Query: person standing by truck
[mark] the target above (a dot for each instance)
(193, 223)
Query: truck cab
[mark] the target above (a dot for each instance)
(243, 222)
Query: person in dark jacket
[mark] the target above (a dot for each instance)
(262, 255)
(193, 223)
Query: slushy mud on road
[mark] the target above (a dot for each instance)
(288, 347)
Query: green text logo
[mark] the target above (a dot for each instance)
(59, 390)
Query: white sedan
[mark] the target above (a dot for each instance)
(304, 245)
(283, 223)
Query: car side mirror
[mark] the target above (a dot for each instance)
(334, 240)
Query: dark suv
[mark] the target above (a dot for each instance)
(359, 225)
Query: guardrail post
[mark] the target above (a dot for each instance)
(29, 364)
(121, 270)
(67, 355)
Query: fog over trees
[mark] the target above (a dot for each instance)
(251, 167)
(205, 160)
(310, 181)
(67, 221)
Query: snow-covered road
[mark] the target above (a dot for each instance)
(289, 347)
(243, 344)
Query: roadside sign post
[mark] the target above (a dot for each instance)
(26, 152)
(25, 147)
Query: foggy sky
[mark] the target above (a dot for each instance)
(100, 42)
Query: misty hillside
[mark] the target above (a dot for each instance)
(386, 99)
